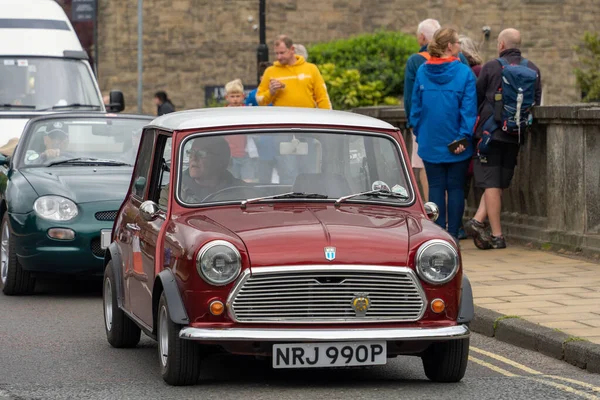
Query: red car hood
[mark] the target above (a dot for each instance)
(284, 234)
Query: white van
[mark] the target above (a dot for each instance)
(43, 67)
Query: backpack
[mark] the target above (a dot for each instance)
(515, 98)
(513, 102)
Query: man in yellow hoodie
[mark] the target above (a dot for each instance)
(291, 81)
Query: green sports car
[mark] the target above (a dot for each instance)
(59, 194)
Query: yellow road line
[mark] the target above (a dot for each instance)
(555, 385)
(575, 382)
(533, 371)
(506, 361)
(566, 388)
(492, 367)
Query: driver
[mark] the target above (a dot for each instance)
(207, 173)
(56, 141)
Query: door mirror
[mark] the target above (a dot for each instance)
(149, 210)
(4, 160)
(432, 210)
(116, 101)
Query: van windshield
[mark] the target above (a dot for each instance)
(37, 83)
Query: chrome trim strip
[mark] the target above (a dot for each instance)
(258, 271)
(316, 335)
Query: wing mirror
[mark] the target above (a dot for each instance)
(432, 210)
(116, 101)
(149, 210)
(4, 160)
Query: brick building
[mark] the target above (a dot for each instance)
(191, 44)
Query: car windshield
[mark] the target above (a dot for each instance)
(46, 83)
(317, 166)
(76, 141)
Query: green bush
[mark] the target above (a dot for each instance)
(378, 56)
(346, 89)
(588, 77)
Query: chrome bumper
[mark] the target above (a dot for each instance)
(317, 335)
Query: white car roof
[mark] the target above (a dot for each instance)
(38, 28)
(239, 116)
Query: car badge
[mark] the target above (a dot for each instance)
(57, 125)
(329, 253)
(360, 304)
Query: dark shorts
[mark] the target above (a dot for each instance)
(499, 169)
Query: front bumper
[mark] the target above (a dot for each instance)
(317, 335)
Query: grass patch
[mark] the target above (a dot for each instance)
(546, 246)
(575, 339)
(504, 317)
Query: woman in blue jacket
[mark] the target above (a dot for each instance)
(444, 109)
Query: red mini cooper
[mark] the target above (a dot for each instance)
(287, 233)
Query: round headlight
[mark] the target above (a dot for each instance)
(437, 262)
(55, 208)
(219, 263)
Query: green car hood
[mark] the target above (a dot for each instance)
(81, 184)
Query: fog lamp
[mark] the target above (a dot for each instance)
(438, 306)
(216, 307)
(61, 233)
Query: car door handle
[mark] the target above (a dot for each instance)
(133, 227)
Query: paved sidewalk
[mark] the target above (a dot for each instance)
(541, 287)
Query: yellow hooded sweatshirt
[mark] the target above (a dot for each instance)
(304, 86)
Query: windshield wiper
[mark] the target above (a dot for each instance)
(72, 105)
(86, 160)
(8, 105)
(373, 193)
(289, 195)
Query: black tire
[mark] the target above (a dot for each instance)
(121, 332)
(446, 361)
(18, 281)
(182, 364)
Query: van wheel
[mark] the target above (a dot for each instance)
(446, 361)
(13, 279)
(121, 331)
(179, 358)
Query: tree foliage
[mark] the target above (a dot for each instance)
(588, 76)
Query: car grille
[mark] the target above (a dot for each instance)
(97, 249)
(324, 294)
(106, 215)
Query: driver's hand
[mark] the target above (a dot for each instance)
(52, 153)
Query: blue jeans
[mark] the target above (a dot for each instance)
(450, 178)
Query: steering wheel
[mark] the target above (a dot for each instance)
(214, 196)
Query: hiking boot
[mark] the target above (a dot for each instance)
(481, 237)
(498, 242)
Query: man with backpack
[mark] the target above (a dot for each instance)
(507, 90)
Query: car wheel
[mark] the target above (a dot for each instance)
(446, 361)
(121, 331)
(13, 279)
(179, 359)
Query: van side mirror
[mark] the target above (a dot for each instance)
(116, 101)
(4, 160)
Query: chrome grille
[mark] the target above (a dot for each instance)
(106, 215)
(324, 294)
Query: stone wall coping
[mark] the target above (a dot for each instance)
(588, 113)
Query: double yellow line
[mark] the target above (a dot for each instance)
(535, 375)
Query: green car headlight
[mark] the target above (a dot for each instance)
(437, 262)
(55, 208)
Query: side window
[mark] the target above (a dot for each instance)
(142, 167)
(159, 191)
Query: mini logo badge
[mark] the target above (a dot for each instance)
(360, 304)
(329, 253)
(57, 125)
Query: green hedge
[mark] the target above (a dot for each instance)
(588, 77)
(378, 56)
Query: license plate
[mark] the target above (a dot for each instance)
(105, 237)
(335, 354)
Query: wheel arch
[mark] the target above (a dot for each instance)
(165, 282)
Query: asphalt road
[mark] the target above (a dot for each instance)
(53, 346)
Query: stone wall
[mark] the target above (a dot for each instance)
(553, 200)
(192, 43)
